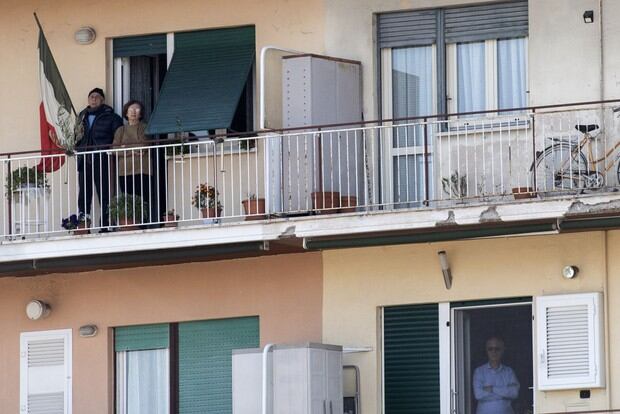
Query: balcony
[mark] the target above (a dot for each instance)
(522, 166)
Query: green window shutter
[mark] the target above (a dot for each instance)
(206, 77)
(142, 337)
(411, 359)
(139, 45)
(205, 362)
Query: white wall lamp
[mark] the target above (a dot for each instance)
(37, 309)
(445, 269)
(85, 35)
(588, 16)
(570, 272)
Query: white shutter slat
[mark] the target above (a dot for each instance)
(45, 372)
(53, 403)
(568, 341)
(46, 352)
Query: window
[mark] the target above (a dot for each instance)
(181, 367)
(487, 75)
(45, 372)
(460, 59)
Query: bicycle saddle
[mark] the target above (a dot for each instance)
(586, 128)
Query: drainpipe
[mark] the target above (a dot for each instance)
(264, 396)
(602, 56)
(261, 86)
(606, 317)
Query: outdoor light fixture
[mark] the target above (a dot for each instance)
(445, 269)
(85, 35)
(88, 331)
(570, 272)
(37, 309)
(588, 16)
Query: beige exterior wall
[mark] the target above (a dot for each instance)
(291, 24)
(569, 71)
(357, 282)
(284, 291)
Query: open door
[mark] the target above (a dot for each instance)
(479, 334)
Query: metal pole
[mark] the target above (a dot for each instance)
(426, 179)
(534, 186)
(10, 195)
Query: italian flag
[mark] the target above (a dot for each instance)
(57, 115)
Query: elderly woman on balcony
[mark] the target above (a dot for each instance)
(133, 165)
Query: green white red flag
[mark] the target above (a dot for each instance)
(58, 127)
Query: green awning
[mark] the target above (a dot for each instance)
(139, 45)
(205, 80)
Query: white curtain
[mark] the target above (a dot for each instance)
(511, 73)
(143, 381)
(412, 95)
(412, 88)
(471, 74)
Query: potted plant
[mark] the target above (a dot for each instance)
(206, 199)
(254, 207)
(127, 209)
(170, 218)
(24, 179)
(76, 225)
(455, 186)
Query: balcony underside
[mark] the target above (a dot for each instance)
(298, 234)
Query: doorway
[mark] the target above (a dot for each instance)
(478, 330)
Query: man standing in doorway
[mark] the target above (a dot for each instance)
(99, 123)
(495, 385)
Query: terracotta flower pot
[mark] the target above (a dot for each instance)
(170, 220)
(127, 224)
(210, 212)
(325, 202)
(254, 208)
(348, 204)
(81, 229)
(521, 193)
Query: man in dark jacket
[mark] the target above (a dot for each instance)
(99, 124)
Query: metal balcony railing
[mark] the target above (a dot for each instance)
(421, 162)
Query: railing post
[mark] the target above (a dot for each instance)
(534, 186)
(10, 195)
(426, 178)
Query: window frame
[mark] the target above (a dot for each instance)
(388, 150)
(491, 76)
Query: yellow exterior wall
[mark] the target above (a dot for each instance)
(291, 24)
(284, 291)
(357, 282)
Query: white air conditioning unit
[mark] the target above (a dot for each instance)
(317, 90)
(301, 379)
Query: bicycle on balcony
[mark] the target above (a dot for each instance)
(572, 165)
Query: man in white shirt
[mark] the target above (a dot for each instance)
(495, 385)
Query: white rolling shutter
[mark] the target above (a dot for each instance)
(45, 372)
(570, 344)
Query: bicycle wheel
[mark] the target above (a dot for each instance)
(560, 168)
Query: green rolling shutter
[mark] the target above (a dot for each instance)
(205, 362)
(206, 77)
(142, 337)
(139, 45)
(411, 359)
